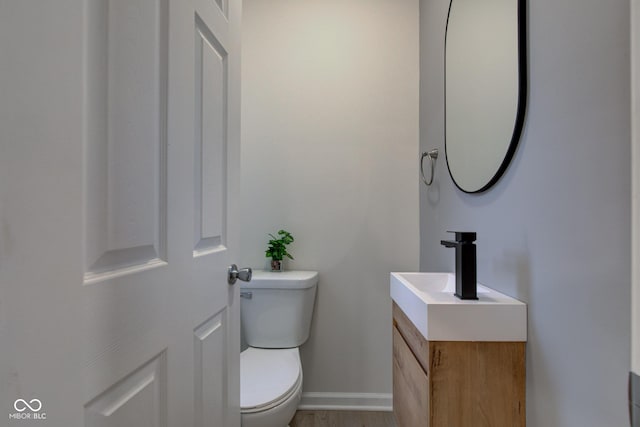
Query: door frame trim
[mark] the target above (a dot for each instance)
(635, 185)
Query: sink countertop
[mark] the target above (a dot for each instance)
(429, 302)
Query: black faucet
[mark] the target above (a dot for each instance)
(466, 287)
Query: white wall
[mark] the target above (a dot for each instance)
(329, 152)
(555, 230)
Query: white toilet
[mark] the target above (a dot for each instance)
(276, 313)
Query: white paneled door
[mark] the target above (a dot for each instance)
(119, 156)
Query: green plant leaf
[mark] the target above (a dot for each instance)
(277, 246)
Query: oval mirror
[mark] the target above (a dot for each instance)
(485, 89)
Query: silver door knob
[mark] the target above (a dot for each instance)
(234, 274)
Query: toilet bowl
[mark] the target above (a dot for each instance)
(276, 312)
(271, 381)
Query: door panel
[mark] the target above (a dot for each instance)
(125, 73)
(210, 372)
(211, 144)
(141, 397)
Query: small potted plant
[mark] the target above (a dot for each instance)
(277, 249)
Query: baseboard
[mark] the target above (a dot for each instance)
(346, 401)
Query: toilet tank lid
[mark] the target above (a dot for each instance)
(293, 279)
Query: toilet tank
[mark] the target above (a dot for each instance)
(276, 308)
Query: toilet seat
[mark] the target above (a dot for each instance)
(268, 377)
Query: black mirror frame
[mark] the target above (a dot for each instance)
(522, 98)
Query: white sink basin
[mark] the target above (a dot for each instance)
(428, 301)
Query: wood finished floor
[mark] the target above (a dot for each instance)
(342, 419)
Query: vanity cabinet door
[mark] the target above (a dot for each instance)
(413, 338)
(410, 386)
(456, 383)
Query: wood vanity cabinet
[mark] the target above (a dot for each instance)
(455, 383)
